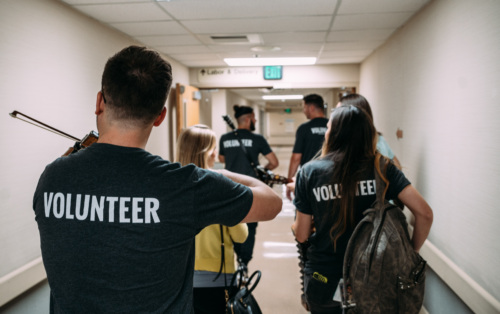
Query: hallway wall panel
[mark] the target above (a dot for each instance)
(437, 80)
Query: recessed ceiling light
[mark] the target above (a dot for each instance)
(265, 48)
(269, 61)
(280, 97)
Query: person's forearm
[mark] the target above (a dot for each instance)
(294, 164)
(242, 179)
(421, 231)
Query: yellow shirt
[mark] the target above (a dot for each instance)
(208, 247)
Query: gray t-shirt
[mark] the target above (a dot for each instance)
(117, 228)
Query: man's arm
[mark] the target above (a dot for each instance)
(294, 164)
(266, 203)
(272, 161)
(222, 159)
(292, 170)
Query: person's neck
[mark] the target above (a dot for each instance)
(315, 115)
(244, 127)
(125, 137)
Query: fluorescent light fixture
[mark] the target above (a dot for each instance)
(280, 97)
(269, 61)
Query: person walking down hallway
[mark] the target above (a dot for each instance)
(348, 160)
(117, 224)
(237, 159)
(214, 264)
(359, 101)
(309, 136)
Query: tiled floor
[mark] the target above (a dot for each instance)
(275, 254)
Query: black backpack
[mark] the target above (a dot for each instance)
(382, 273)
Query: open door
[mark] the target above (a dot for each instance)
(187, 107)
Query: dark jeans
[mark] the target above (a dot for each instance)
(319, 295)
(245, 250)
(209, 300)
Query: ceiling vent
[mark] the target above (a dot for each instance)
(231, 39)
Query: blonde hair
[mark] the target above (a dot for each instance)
(194, 145)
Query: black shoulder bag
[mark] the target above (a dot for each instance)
(239, 298)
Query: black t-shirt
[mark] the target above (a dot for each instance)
(314, 195)
(117, 228)
(235, 158)
(309, 138)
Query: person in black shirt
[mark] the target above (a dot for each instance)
(309, 136)
(118, 224)
(237, 161)
(334, 190)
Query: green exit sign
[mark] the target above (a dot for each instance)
(274, 72)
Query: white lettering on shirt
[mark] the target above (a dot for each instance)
(135, 210)
(319, 130)
(236, 143)
(329, 192)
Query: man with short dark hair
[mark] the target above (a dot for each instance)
(117, 224)
(237, 160)
(310, 135)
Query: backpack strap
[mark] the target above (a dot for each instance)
(222, 256)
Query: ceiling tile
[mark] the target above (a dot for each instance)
(169, 49)
(370, 21)
(182, 29)
(124, 12)
(74, 2)
(360, 35)
(294, 37)
(223, 9)
(345, 53)
(364, 6)
(340, 60)
(369, 45)
(260, 25)
(150, 28)
(174, 40)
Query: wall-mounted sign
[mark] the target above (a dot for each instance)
(274, 72)
(231, 75)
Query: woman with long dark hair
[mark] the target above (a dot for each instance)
(334, 190)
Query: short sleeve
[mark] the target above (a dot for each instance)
(238, 233)
(298, 146)
(265, 148)
(221, 146)
(397, 181)
(219, 200)
(301, 200)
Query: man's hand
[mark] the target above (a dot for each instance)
(290, 188)
(266, 203)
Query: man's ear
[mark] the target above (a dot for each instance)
(161, 117)
(99, 104)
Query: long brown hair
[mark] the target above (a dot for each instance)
(351, 145)
(194, 145)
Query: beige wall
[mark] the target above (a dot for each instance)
(51, 61)
(438, 80)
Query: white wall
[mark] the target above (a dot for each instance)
(438, 80)
(51, 61)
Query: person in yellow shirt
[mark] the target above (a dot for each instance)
(197, 145)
